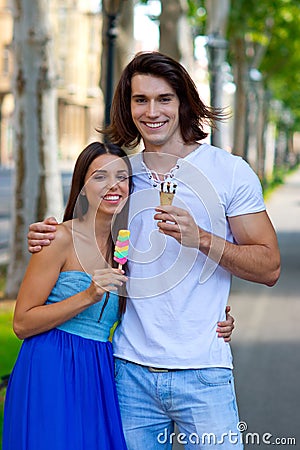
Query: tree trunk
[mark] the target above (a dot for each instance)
(125, 40)
(217, 16)
(171, 12)
(37, 187)
(176, 39)
(117, 46)
(261, 132)
(240, 110)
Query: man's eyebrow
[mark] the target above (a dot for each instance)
(138, 95)
(167, 94)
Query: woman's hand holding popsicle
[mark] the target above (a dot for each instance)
(105, 280)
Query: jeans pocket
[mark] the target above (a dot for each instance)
(215, 376)
(119, 367)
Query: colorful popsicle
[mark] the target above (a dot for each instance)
(122, 247)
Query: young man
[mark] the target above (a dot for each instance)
(170, 365)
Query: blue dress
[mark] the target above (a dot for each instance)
(61, 393)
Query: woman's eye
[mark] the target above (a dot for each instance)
(99, 177)
(122, 178)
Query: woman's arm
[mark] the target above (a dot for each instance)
(32, 315)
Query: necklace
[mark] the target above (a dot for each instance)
(156, 180)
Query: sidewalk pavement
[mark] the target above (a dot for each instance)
(266, 340)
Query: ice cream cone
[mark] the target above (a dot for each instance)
(166, 198)
(167, 192)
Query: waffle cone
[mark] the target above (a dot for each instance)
(166, 198)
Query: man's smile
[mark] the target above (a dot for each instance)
(154, 124)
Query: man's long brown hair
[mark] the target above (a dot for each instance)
(77, 204)
(193, 113)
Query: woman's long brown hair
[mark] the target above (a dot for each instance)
(77, 204)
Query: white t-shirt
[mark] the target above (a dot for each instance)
(177, 294)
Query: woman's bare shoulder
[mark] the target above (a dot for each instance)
(64, 232)
(63, 235)
(56, 253)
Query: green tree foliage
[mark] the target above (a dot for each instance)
(281, 64)
(269, 32)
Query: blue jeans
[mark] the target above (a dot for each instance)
(201, 402)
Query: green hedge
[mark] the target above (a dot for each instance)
(9, 347)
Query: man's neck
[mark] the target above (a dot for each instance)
(162, 160)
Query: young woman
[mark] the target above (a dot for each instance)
(61, 393)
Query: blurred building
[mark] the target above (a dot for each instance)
(76, 26)
(6, 70)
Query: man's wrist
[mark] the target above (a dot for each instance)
(211, 245)
(204, 241)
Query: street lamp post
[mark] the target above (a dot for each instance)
(112, 9)
(216, 52)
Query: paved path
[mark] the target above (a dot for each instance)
(266, 341)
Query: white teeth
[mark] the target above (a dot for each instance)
(112, 197)
(154, 125)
